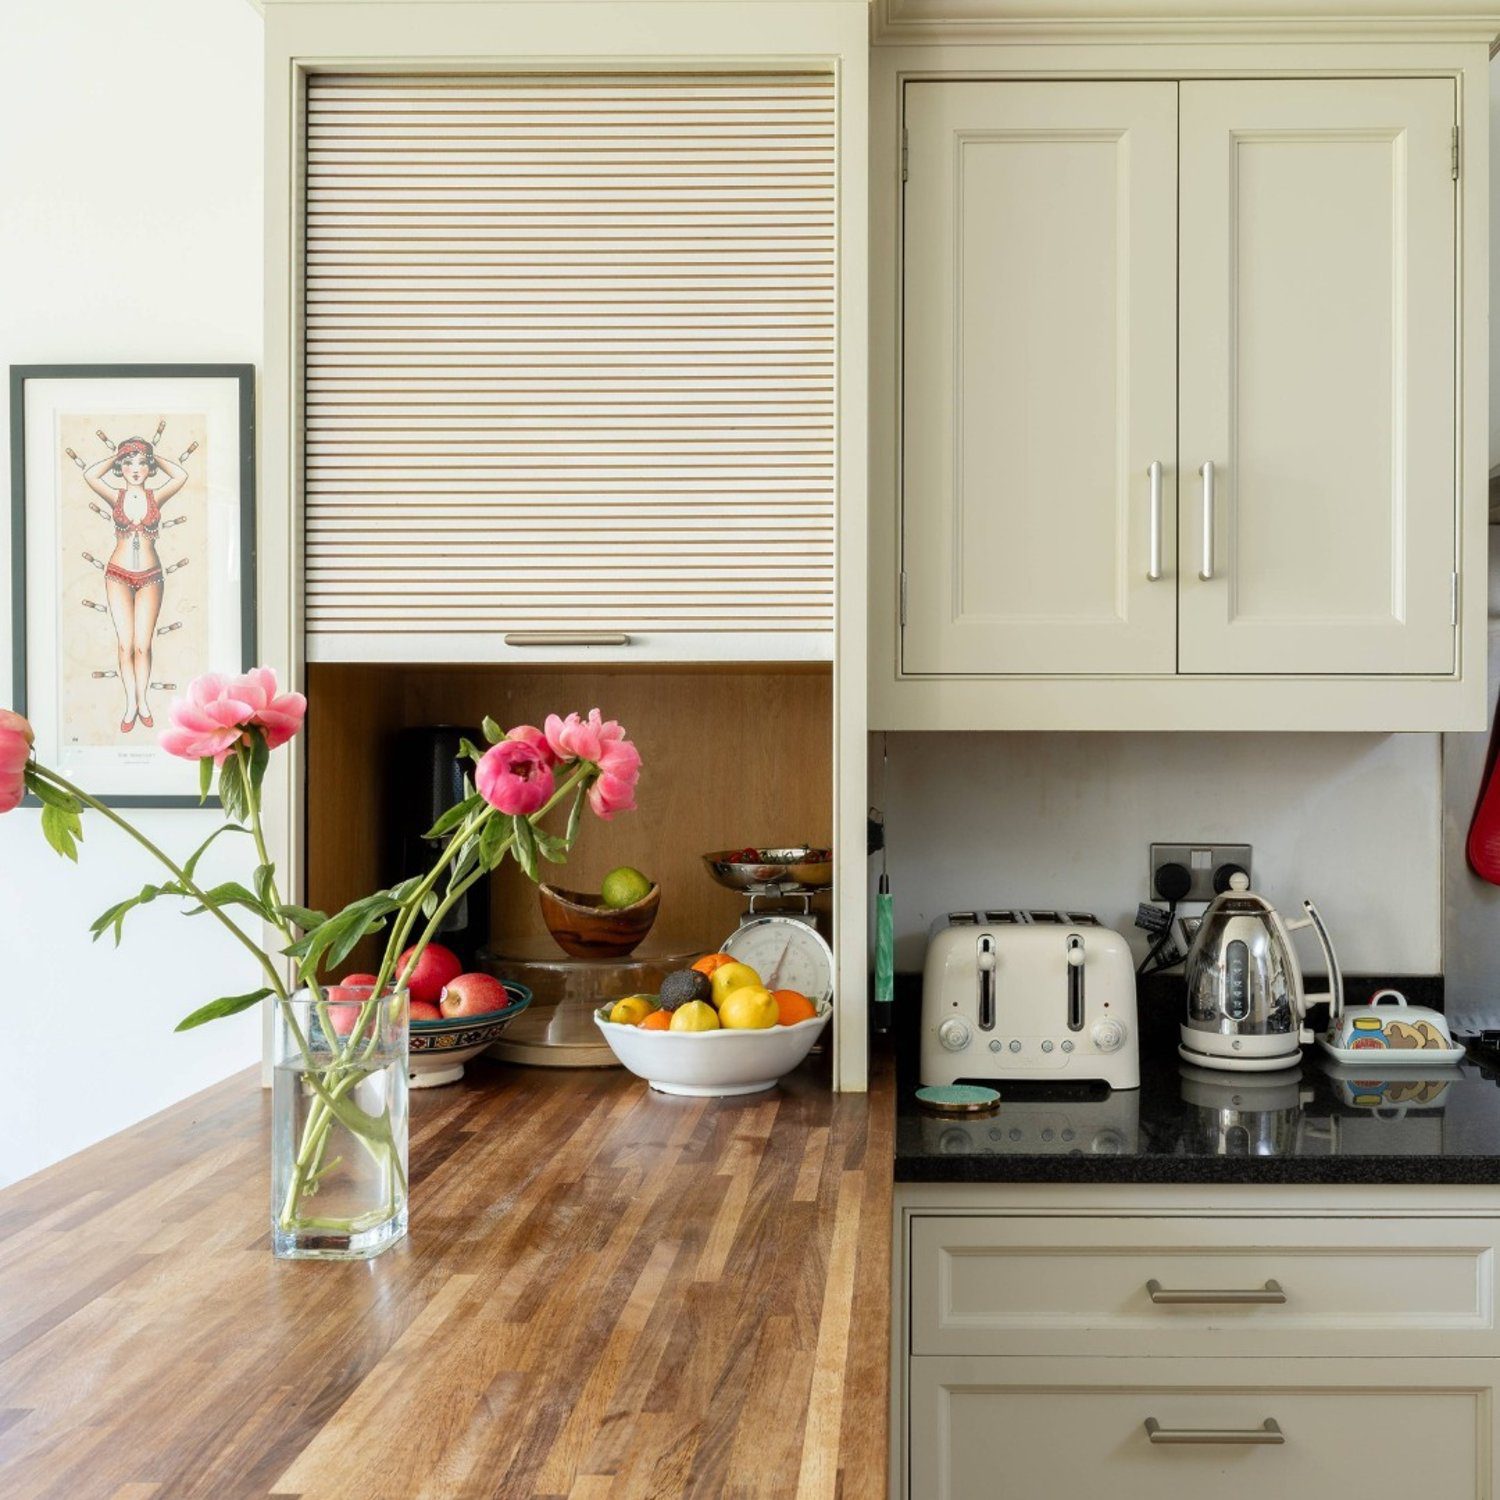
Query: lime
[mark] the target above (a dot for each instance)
(623, 887)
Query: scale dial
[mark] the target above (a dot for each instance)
(787, 953)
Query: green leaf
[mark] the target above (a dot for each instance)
(232, 790)
(49, 795)
(333, 940)
(260, 758)
(228, 1005)
(494, 838)
(198, 853)
(62, 827)
(469, 748)
(304, 917)
(525, 847)
(551, 847)
(115, 916)
(492, 731)
(205, 777)
(265, 877)
(454, 816)
(231, 893)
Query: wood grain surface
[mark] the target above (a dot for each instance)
(606, 1293)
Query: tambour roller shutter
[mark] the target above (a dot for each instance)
(569, 362)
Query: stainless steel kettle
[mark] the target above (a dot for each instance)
(1246, 1002)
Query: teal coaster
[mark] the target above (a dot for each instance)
(958, 1098)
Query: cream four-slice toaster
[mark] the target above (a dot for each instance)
(1041, 995)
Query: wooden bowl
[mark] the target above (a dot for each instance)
(583, 927)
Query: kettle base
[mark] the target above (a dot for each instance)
(1239, 1064)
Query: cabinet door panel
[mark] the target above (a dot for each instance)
(1038, 376)
(1317, 359)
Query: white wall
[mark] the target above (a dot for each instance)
(1351, 821)
(130, 230)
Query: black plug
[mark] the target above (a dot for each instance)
(1173, 881)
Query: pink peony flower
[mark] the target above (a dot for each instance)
(514, 777)
(15, 750)
(219, 710)
(574, 738)
(529, 734)
(612, 794)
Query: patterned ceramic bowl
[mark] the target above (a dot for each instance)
(439, 1049)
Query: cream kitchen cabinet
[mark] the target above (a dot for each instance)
(1182, 407)
(1193, 1340)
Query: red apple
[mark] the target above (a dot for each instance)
(433, 970)
(425, 1010)
(344, 1004)
(473, 995)
(364, 979)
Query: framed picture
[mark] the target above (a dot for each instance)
(133, 557)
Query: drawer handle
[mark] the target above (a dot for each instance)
(1267, 1433)
(566, 638)
(1271, 1292)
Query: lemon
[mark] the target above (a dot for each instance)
(696, 1015)
(632, 1010)
(749, 1008)
(728, 978)
(623, 887)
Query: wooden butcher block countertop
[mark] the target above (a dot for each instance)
(606, 1292)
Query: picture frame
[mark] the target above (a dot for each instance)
(133, 564)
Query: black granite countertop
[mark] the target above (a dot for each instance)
(1322, 1123)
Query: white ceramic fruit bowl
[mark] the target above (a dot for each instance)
(710, 1063)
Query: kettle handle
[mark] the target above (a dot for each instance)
(1335, 992)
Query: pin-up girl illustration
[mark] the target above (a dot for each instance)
(133, 576)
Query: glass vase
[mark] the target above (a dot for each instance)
(338, 1146)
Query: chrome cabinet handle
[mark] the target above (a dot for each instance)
(1206, 572)
(1268, 1432)
(566, 638)
(1153, 567)
(1208, 1297)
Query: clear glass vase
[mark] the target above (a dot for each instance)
(338, 1146)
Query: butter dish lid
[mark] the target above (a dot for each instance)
(1389, 1022)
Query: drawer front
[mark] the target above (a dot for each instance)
(990, 1284)
(977, 1432)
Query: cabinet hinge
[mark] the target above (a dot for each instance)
(1455, 153)
(903, 598)
(906, 154)
(1453, 599)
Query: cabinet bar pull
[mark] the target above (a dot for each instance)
(1206, 573)
(566, 638)
(1153, 570)
(1207, 1297)
(1267, 1432)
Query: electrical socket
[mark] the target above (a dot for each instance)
(1201, 861)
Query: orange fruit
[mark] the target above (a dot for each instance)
(711, 961)
(658, 1020)
(792, 1006)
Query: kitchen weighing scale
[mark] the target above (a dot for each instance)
(778, 933)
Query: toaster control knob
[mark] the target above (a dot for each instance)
(1108, 1036)
(953, 1034)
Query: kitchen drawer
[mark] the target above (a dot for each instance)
(987, 1428)
(992, 1284)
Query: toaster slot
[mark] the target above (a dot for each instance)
(986, 982)
(1075, 982)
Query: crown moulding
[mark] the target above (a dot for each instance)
(1095, 20)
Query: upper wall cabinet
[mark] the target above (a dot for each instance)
(1180, 397)
(568, 365)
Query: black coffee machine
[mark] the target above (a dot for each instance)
(426, 778)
